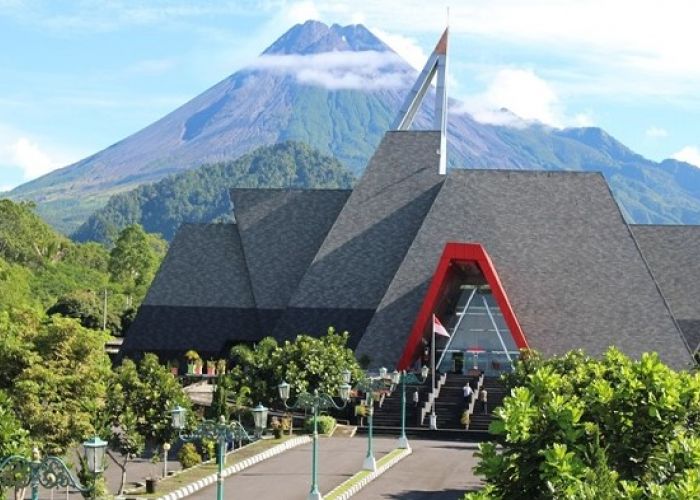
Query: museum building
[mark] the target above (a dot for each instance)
(505, 259)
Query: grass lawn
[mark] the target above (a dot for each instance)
(347, 485)
(188, 476)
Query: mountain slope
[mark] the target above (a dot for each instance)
(202, 195)
(276, 100)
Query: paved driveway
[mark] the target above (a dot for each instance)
(436, 470)
(287, 476)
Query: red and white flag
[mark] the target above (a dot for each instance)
(438, 329)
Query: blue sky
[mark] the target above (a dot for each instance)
(79, 75)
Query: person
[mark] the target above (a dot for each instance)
(467, 392)
(416, 397)
(483, 398)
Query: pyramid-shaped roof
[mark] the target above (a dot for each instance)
(567, 265)
(566, 258)
(672, 255)
(200, 298)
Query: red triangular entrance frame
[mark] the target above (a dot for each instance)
(455, 253)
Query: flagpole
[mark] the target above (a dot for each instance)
(433, 417)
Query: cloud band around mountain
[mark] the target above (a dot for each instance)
(339, 70)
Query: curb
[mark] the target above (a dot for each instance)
(211, 479)
(367, 479)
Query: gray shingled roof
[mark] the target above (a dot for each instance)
(281, 231)
(200, 298)
(363, 250)
(211, 331)
(204, 267)
(673, 254)
(565, 256)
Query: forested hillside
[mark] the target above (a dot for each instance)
(44, 271)
(202, 195)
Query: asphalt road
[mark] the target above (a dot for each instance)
(287, 476)
(436, 470)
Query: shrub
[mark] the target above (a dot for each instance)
(276, 425)
(579, 428)
(189, 456)
(326, 423)
(209, 449)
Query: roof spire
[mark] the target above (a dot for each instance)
(437, 64)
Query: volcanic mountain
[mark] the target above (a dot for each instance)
(337, 89)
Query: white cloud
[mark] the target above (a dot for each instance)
(689, 154)
(23, 158)
(406, 47)
(340, 70)
(652, 30)
(31, 158)
(583, 120)
(358, 18)
(656, 132)
(525, 94)
(624, 48)
(302, 12)
(516, 97)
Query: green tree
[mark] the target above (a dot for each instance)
(18, 328)
(13, 438)
(133, 260)
(26, 239)
(57, 394)
(38, 265)
(306, 364)
(254, 370)
(87, 307)
(126, 441)
(311, 363)
(579, 427)
(202, 194)
(140, 397)
(15, 286)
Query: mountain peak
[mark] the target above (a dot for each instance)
(315, 37)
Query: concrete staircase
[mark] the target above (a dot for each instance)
(479, 420)
(389, 413)
(449, 406)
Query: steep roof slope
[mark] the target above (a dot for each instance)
(567, 260)
(281, 230)
(357, 261)
(672, 253)
(200, 298)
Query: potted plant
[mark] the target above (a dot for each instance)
(198, 366)
(276, 427)
(211, 367)
(221, 366)
(361, 413)
(152, 480)
(287, 423)
(192, 358)
(174, 366)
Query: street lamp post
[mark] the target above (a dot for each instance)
(219, 431)
(406, 378)
(50, 472)
(369, 386)
(317, 400)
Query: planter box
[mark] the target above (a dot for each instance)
(151, 485)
